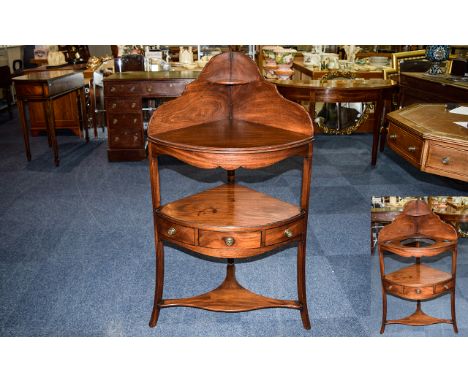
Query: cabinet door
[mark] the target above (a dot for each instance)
(65, 114)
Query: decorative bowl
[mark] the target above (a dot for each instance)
(285, 56)
(378, 61)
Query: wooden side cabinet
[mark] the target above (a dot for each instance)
(124, 95)
(230, 117)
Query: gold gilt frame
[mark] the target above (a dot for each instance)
(367, 107)
(412, 55)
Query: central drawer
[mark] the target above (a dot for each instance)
(217, 239)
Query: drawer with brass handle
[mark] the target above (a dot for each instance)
(218, 239)
(123, 105)
(125, 138)
(176, 232)
(113, 89)
(284, 233)
(444, 159)
(405, 144)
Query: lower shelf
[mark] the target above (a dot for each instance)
(231, 297)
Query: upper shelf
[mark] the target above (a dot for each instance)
(231, 136)
(230, 108)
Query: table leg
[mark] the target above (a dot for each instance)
(384, 130)
(83, 114)
(24, 127)
(50, 127)
(376, 133)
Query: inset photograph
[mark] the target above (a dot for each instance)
(419, 265)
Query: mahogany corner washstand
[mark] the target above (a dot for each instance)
(418, 232)
(230, 117)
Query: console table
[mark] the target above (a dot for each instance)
(123, 99)
(426, 136)
(378, 91)
(423, 88)
(230, 117)
(43, 88)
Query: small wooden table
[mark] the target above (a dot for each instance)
(43, 87)
(426, 136)
(378, 91)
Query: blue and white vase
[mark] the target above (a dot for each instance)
(436, 54)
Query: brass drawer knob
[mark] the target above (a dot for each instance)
(229, 241)
(114, 121)
(132, 89)
(171, 231)
(446, 287)
(393, 136)
(112, 89)
(411, 149)
(114, 105)
(149, 89)
(288, 233)
(133, 105)
(445, 160)
(418, 291)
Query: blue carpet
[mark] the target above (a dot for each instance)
(77, 249)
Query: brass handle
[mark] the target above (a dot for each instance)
(135, 120)
(148, 89)
(132, 88)
(411, 149)
(133, 105)
(229, 241)
(393, 136)
(418, 291)
(114, 105)
(112, 89)
(288, 233)
(114, 121)
(446, 287)
(445, 160)
(171, 231)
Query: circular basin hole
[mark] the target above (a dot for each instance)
(417, 242)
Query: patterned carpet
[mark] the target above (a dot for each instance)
(77, 249)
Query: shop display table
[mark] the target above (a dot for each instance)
(377, 91)
(43, 88)
(418, 233)
(427, 136)
(230, 117)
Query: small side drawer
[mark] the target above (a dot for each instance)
(394, 289)
(443, 287)
(448, 160)
(407, 145)
(176, 232)
(216, 239)
(122, 105)
(284, 233)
